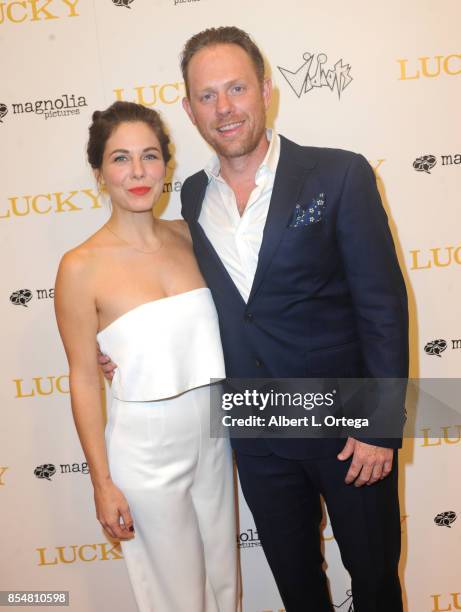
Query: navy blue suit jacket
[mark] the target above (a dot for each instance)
(328, 298)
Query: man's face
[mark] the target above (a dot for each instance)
(226, 101)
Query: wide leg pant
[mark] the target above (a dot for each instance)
(179, 485)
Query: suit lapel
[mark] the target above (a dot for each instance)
(217, 268)
(289, 180)
(199, 185)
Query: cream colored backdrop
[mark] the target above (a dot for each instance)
(381, 79)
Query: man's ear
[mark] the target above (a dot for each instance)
(187, 107)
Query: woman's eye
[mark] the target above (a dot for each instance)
(150, 156)
(120, 158)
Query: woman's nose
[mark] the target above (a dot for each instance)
(137, 168)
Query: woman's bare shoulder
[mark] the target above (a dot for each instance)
(81, 257)
(179, 228)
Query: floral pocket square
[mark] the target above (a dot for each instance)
(308, 213)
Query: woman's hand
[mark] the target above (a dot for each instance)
(111, 506)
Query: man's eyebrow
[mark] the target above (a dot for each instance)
(226, 84)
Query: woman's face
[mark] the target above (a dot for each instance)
(133, 169)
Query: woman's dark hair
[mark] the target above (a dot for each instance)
(104, 123)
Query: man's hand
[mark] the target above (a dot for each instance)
(107, 366)
(369, 463)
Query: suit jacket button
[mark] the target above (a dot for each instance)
(248, 317)
(258, 363)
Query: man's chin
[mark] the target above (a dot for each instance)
(232, 150)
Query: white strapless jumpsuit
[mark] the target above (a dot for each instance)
(177, 479)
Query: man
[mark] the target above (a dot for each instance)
(299, 294)
(297, 299)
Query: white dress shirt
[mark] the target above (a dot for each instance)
(237, 239)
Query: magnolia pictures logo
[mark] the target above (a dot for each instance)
(3, 111)
(437, 347)
(51, 108)
(125, 3)
(46, 471)
(313, 73)
(21, 297)
(248, 539)
(425, 163)
(445, 519)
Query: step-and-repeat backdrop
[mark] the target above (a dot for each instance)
(380, 79)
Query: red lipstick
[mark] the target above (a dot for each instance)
(139, 191)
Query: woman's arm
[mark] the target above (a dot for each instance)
(78, 324)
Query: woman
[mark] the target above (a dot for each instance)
(162, 485)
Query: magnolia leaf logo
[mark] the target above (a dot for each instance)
(21, 297)
(125, 3)
(445, 519)
(45, 471)
(3, 111)
(435, 347)
(424, 163)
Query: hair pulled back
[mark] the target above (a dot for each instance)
(106, 121)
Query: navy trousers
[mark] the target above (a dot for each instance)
(284, 497)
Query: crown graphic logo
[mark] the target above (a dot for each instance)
(312, 74)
